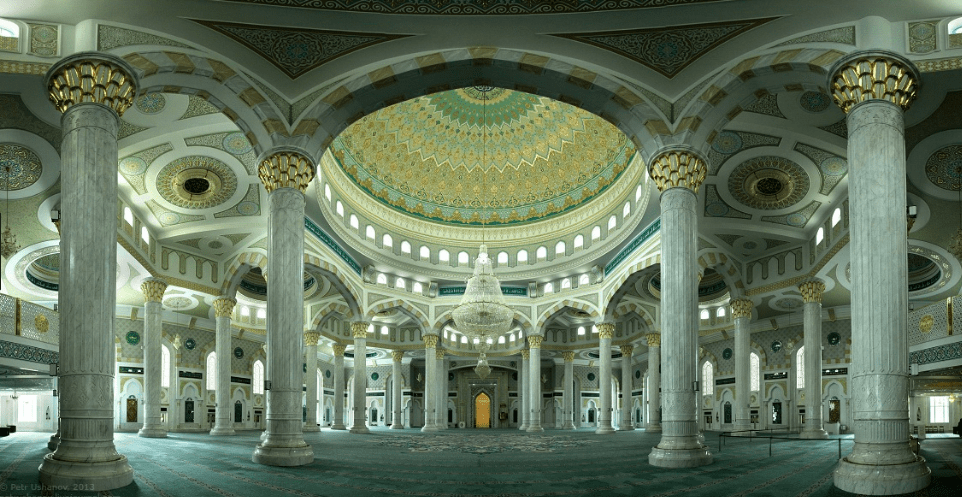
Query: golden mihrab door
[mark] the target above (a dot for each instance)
(482, 411)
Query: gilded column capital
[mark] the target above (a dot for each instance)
(627, 350)
(873, 75)
(153, 289)
(439, 354)
(606, 330)
(525, 354)
(534, 341)
(568, 355)
(339, 349)
(812, 290)
(397, 355)
(654, 339)
(92, 77)
(224, 306)
(359, 329)
(430, 341)
(311, 338)
(741, 308)
(677, 168)
(287, 168)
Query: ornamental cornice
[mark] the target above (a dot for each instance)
(286, 169)
(92, 77)
(873, 75)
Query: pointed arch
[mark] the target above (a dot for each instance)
(238, 268)
(590, 309)
(403, 306)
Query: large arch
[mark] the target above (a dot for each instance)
(406, 307)
(586, 307)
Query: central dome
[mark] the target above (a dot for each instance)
(482, 155)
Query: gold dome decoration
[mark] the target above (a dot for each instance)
(41, 323)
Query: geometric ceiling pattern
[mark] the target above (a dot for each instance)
(473, 7)
(667, 50)
(296, 51)
(487, 155)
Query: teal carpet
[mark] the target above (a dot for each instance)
(465, 462)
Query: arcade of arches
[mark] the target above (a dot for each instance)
(706, 216)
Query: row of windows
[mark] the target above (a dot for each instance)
(129, 219)
(836, 218)
(706, 314)
(754, 367)
(456, 337)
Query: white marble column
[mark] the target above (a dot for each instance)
(430, 380)
(626, 424)
(874, 89)
(92, 90)
(605, 332)
(338, 423)
(359, 330)
(153, 290)
(742, 316)
(397, 422)
(441, 419)
(223, 307)
(812, 295)
(310, 379)
(523, 389)
(534, 383)
(678, 173)
(568, 392)
(285, 175)
(653, 389)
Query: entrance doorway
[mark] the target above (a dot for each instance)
(482, 411)
(131, 409)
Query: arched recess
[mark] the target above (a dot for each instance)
(404, 307)
(237, 270)
(430, 72)
(346, 288)
(585, 307)
(722, 264)
(327, 312)
(618, 279)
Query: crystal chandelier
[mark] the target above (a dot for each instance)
(8, 245)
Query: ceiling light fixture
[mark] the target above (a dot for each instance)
(8, 246)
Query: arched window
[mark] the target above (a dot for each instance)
(400, 283)
(638, 193)
(502, 258)
(705, 314)
(584, 279)
(612, 223)
(522, 256)
(463, 258)
(549, 288)
(596, 232)
(542, 253)
(594, 328)
(627, 210)
(327, 192)
(501, 339)
(721, 312)
(387, 241)
(164, 367)
(836, 216)
(405, 247)
(800, 368)
(559, 249)
(464, 339)
(245, 311)
(511, 337)
(707, 378)
(579, 241)
(9, 29)
(261, 314)
(753, 368)
(370, 328)
(128, 216)
(444, 256)
(144, 235)
(819, 235)
(339, 208)
(369, 232)
(416, 287)
(425, 253)
(258, 380)
(384, 330)
(212, 371)
(353, 221)
(381, 279)
(566, 283)
(581, 331)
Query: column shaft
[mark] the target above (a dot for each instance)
(626, 424)
(568, 398)
(338, 423)
(534, 383)
(359, 425)
(153, 315)
(310, 380)
(523, 389)
(812, 294)
(605, 332)
(441, 419)
(222, 344)
(742, 315)
(397, 421)
(653, 423)
(430, 380)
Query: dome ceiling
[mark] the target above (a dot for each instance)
(536, 158)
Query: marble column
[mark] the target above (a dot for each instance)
(397, 422)
(742, 316)
(534, 383)
(285, 174)
(653, 389)
(812, 295)
(223, 307)
(569, 390)
(359, 330)
(310, 380)
(153, 290)
(92, 90)
(338, 423)
(605, 332)
(430, 380)
(875, 89)
(441, 419)
(523, 389)
(626, 425)
(678, 173)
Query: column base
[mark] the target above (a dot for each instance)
(338, 426)
(359, 429)
(95, 476)
(864, 479)
(397, 426)
(626, 427)
(653, 428)
(744, 428)
(429, 429)
(283, 456)
(54, 442)
(263, 435)
(680, 458)
(311, 428)
(568, 426)
(604, 430)
(523, 427)
(153, 432)
(818, 434)
(220, 431)
(535, 429)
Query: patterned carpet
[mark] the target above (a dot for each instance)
(468, 463)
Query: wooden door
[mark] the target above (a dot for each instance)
(482, 411)
(131, 410)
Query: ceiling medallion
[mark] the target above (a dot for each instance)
(944, 168)
(768, 183)
(196, 182)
